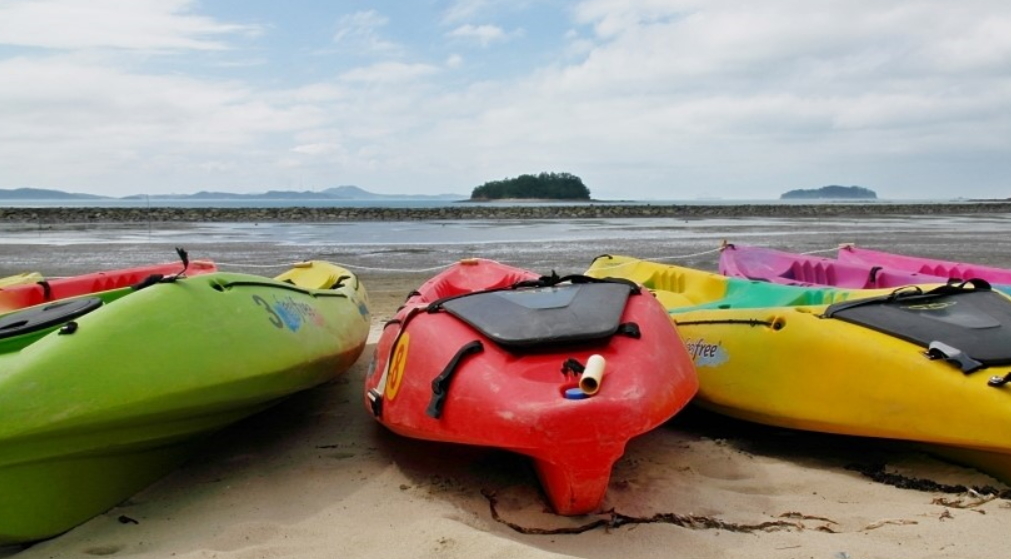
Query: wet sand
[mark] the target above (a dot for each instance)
(317, 477)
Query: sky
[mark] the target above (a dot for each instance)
(641, 99)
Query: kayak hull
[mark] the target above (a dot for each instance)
(45, 290)
(20, 279)
(91, 414)
(943, 268)
(765, 264)
(516, 399)
(791, 366)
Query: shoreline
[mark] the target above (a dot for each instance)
(47, 215)
(317, 477)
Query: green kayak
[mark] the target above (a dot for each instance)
(102, 395)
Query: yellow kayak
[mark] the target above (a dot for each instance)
(19, 279)
(928, 364)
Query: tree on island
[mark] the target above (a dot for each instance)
(552, 186)
(832, 191)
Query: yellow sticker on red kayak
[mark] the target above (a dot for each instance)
(397, 364)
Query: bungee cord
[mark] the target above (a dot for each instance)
(835, 248)
(685, 256)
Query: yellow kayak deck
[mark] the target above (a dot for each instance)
(767, 353)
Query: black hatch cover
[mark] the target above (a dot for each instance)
(45, 316)
(533, 317)
(975, 322)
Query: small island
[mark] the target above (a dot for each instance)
(833, 192)
(545, 186)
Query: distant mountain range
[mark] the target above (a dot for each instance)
(334, 193)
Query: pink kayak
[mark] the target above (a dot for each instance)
(786, 268)
(959, 270)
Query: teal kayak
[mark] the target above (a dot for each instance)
(104, 394)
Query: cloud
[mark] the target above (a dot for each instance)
(389, 72)
(317, 149)
(135, 25)
(736, 96)
(359, 31)
(72, 121)
(484, 34)
(462, 10)
(644, 98)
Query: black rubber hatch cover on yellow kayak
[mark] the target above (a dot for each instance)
(971, 319)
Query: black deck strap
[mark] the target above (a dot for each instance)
(908, 291)
(573, 366)
(440, 385)
(634, 287)
(555, 279)
(912, 292)
(340, 282)
(185, 257)
(47, 290)
(976, 283)
(629, 329)
(956, 285)
(543, 281)
(872, 277)
(161, 278)
(148, 282)
(953, 355)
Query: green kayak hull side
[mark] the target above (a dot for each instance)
(90, 417)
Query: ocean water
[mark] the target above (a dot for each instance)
(564, 245)
(408, 203)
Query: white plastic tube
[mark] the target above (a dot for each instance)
(593, 373)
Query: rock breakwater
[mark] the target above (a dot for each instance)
(580, 211)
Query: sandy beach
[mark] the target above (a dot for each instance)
(317, 477)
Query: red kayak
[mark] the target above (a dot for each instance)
(46, 290)
(563, 369)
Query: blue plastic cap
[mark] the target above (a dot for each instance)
(575, 394)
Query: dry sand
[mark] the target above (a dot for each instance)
(317, 477)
